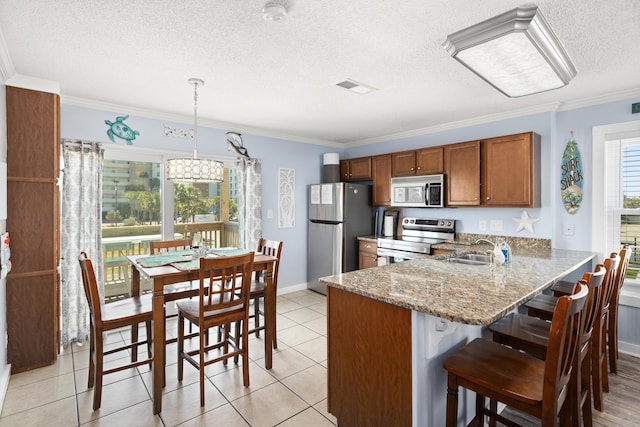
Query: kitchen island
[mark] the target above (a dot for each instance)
(391, 327)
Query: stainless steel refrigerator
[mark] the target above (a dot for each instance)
(338, 214)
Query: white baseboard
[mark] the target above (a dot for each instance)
(293, 288)
(629, 348)
(5, 376)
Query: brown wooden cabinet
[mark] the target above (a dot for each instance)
(369, 356)
(33, 212)
(426, 161)
(367, 254)
(510, 171)
(381, 168)
(430, 161)
(462, 169)
(358, 169)
(403, 163)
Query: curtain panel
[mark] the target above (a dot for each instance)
(80, 229)
(249, 202)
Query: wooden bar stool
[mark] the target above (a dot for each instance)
(531, 335)
(107, 317)
(517, 379)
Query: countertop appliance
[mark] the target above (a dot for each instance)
(338, 214)
(426, 191)
(418, 235)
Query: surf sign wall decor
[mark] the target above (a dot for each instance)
(571, 177)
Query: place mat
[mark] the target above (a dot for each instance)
(228, 251)
(164, 258)
(193, 264)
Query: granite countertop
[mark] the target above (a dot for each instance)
(471, 294)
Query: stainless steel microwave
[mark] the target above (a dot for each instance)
(418, 191)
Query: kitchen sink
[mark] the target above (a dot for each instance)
(472, 259)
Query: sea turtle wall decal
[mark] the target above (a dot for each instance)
(120, 129)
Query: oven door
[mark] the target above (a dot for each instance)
(393, 255)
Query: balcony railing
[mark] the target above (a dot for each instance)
(117, 271)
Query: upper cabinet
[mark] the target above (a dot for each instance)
(462, 169)
(381, 180)
(358, 169)
(430, 161)
(497, 172)
(511, 171)
(426, 161)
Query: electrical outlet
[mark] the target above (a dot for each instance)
(482, 225)
(496, 225)
(568, 230)
(269, 213)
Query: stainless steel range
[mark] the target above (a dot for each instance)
(417, 237)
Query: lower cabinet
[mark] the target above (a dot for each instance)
(367, 254)
(369, 358)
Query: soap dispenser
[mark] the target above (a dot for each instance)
(506, 251)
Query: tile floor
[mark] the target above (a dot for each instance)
(293, 393)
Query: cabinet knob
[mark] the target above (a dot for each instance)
(411, 168)
(475, 198)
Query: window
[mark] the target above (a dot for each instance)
(138, 207)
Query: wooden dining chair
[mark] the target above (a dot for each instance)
(612, 330)
(107, 317)
(517, 379)
(531, 335)
(271, 248)
(227, 302)
(175, 291)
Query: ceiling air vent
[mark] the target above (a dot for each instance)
(356, 87)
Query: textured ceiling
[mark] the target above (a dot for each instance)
(278, 78)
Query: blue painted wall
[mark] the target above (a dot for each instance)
(306, 159)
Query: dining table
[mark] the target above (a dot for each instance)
(161, 272)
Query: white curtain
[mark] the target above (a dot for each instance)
(80, 230)
(249, 202)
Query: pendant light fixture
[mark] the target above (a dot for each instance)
(195, 169)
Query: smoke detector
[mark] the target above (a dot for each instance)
(274, 12)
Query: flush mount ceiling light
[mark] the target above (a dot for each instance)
(195, 169)
(515, 52)
(356, 87)
(274, 12)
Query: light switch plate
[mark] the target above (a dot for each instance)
(496, 225)
(482, 225)
(269, 213)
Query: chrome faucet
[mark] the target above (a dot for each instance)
(484, 240)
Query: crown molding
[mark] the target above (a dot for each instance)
(620, 95)
(159, 115)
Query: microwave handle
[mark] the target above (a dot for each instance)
(426, 194)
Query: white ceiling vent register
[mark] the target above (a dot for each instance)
(354, 86)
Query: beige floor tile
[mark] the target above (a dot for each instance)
(269, 406)
(320, 308)
(183, 404)
(318, 325)
(322, 408)
(286, 306)
(310, 298)
(59, 413)
(283, 322)
(316, 349)
(190, 376)
(140, 415)
(231, 384)
(310, 384)
(288, 362)
(35, 394)
(296, 335)
(213, 418)
(307, 418)
(82, 376)
(303, 315)
(63, 365)
(115, 397)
